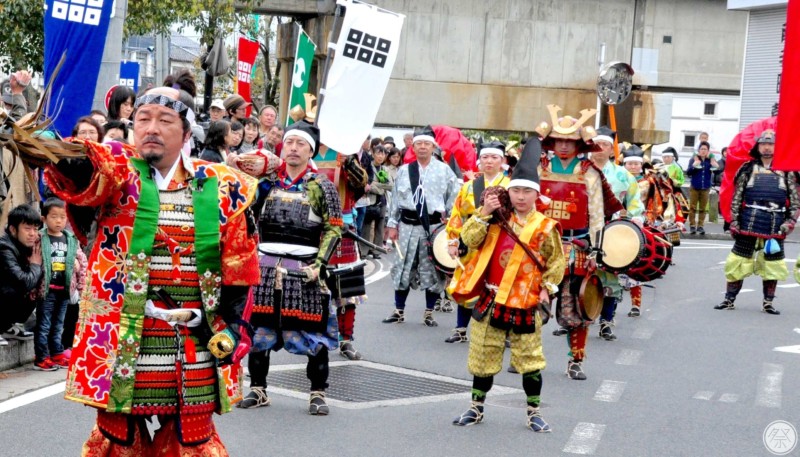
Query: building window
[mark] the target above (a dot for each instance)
(710, 109)
(688, 140)
(667, 39)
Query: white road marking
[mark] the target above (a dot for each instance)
(788, 286)
(789, 349)
(643, 333)
(703, 395)
(770, 382)
(797, 330)
(729, 398)
(585, 438)
(629, 357)
(681, 247)
(499, 390)
(747, 290)
(377, 275)
(30, 397)
(610, 391)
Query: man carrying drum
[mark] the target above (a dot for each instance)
(764, 210)
(660, 206)
(627, 191)
(580, 197)
(492, 156)
(517, 263)
(423, 194)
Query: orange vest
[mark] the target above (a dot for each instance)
(522, 280)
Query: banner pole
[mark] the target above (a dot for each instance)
(612, 117)
(337, 22)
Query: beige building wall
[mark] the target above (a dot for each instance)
(496, 64)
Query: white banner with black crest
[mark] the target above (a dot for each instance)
(357, 79)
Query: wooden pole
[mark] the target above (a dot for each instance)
(612, 116)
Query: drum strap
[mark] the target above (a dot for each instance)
(504, 225)
(478, 186)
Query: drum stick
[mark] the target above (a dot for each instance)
(460, 265)
(662, 240)
(397, 247)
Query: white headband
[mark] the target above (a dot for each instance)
(301, 134)
(424, 138)
(524, 183)
(603, 138)
(633, 159)
(497, 151)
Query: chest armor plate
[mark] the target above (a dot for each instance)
(570, 200)
(288, 218)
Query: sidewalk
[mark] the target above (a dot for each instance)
(20, 380)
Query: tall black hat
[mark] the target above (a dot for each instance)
(526, 172)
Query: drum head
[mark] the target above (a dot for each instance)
(621, 244)
(591, 297)
(440, 254)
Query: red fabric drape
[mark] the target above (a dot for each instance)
(452, 141)
(739, 153)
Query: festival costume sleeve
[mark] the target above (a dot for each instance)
(394, 208)
(794, 198)
(461, 209)
(556, 264)
(676, 174)
(739, 184)
(452, 190)
(73, 182)
(633, 201)
(325, 200)
(474, 230)
(595, 184)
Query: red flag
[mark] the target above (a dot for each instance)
(787, 141)
(244, 68)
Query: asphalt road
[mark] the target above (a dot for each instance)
(682, 380)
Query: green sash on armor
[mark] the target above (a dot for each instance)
(205, 199)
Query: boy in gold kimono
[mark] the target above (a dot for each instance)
(516, 266)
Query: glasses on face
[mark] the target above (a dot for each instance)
(242, 109)
(87, 133)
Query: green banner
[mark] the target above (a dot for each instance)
(301, 74)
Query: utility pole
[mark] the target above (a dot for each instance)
(112, 55)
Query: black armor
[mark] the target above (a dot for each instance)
(288, 218)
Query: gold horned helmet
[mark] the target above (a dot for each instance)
(307, 112)
(567, 127)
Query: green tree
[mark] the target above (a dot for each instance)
(22, 35)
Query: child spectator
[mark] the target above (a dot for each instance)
(20, 271)
(61, 282)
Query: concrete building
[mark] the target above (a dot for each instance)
(496, 64)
